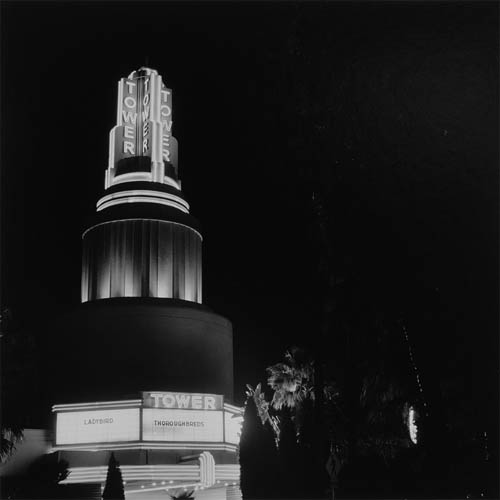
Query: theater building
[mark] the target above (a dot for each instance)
(150, 367)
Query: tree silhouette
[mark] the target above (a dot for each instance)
(258, 455)
(18, 376)
(113, 490)
(41, 480)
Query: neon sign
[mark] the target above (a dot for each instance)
(143, 130)
(182, 400)
(159, 418)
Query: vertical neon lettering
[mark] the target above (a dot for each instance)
(128, 147)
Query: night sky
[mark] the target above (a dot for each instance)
(389, 110)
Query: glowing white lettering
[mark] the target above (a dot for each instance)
(165, 94)
(130, 102)
(168, 401)
(156, 397)
(130, 86)
(128, 147)
(182, 400)
(165, 111)
(128, 132)
(166, 126)
(166, 148)
(145, 144)
(129, 117)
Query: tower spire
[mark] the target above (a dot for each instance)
(143, 216)
(142, 147)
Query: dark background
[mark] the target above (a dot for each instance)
(388, 110)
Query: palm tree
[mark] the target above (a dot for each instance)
(263, 409)
(297, 396)
(291, 381)
(12, 434)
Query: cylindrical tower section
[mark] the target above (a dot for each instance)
(141, 258)
(143, 316)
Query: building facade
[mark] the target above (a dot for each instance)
(151, 367)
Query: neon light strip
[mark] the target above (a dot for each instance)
(101, 477)
(130, 177)
(144, 192)
(125, 403)
(159, 488)
(138, 472)
(223, 472)
(157, 220)
(131, 476)
(97, 408)
(141, 468)
(140, 200)
(142, 196)
(149, 445)
(233, 409)
(137, 177)
(97, 404)
(156, 469)
(96, 478)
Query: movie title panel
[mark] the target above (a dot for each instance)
(97, 426)
(182, 425)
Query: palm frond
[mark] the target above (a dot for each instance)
(10, 437)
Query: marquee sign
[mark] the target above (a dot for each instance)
(143, 128)
(182, 400)
(167, 417)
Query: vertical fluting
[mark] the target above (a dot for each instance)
(141, 258)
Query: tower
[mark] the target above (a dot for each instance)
(142, 368)
(145, 243)
(141, 323)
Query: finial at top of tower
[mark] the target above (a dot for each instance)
(143, 71)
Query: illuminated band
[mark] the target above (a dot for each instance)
(206, 474)
(143, 196)
(101, 405)
(148, 445)
(143, 177)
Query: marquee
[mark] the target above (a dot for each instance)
(159, 417)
